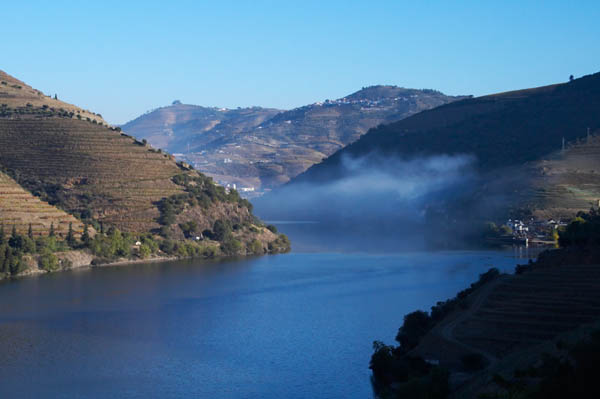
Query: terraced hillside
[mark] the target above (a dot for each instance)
(88, 169)
(568, 181)
(21, 209)
(531, 308)
(17, 97)
(502, 327)
(98, 174)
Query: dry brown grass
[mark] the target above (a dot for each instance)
(15, 94)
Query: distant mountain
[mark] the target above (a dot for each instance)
(178, 125)
(515, 140)
(263, 148)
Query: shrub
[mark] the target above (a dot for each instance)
(167, 246)
(272, 229)
(145, 251)
(48, 261)
(189, 228)
(255, 247)
(231, 246)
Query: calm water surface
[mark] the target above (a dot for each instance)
(298, 325)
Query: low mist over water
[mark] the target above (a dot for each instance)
(371, 189)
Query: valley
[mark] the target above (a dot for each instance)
(257, 149)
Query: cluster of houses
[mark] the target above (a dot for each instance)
(362, 102)
(532, 229)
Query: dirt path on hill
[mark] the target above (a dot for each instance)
(446, 330)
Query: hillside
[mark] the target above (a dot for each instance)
(502, 334)
(174, 127)
(264, 148)
(516, 131)
(18, 98)
(101, 176)
(19, 208)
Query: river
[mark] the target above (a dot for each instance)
(298, 325)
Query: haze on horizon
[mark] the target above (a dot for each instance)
(114, 59)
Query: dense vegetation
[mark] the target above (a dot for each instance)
(200, 191)
(583, 231)
(17, 249)
(135, 201)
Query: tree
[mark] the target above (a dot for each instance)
(167, 214)
(70, 235)
(51, 234)
(85, 236)
(2, 235)
(145, 251)
(15, 241)
(416, 325)
(571, 78)
(30, 232)
(221, 230)
(189, 228)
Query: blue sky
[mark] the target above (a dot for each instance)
(122, 58)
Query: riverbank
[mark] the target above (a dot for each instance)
(500, 325)
(80, 259)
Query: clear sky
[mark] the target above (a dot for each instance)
(122, 58)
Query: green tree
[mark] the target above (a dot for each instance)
(51, 234)
(221, 230)
(167, 213)
(70, 236)
(30, 232)
(15, 241)
(85, 236)
(189, 228)
(145, 251)
(3, 269)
